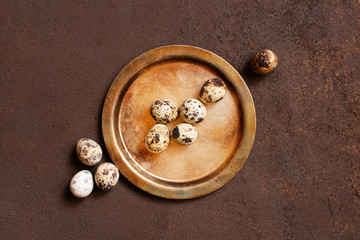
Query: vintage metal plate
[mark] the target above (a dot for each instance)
(225, 137)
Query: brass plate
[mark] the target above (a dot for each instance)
(225, 137)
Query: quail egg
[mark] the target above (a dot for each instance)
(212, 91)
(88, 151)
(164, 111)
(264, 62)
(193, 111)
(82, 184)
(106, 176)
(157, 139)
(184, 133)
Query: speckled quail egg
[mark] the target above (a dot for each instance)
(264, 62)
(157, 139)
(106, 176)
(164, 111)
(82, 184)
(212, 91)
(193, 111)
(88, 151)
(184, 133)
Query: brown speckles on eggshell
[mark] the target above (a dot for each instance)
(164, 111)
(192, 111)
(199, 120)
(114, 175)
(106, 176)
(212, 91)
(88, 151)
(157, 139)
(217, 82)
(184, 133)
(264, 62)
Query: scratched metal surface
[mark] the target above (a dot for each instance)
(301, 180)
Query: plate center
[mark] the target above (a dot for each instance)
(218, 134)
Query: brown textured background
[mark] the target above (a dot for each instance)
(301, 181)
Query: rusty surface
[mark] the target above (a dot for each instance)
(301, 180)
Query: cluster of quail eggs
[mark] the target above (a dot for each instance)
(106, 175)
(192, 111)
(157, 139)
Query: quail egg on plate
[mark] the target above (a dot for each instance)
(184, 133)
(157, 139)
(193, 111)
(164, 111)
(213, 90)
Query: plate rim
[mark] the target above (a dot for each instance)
(138, 176)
